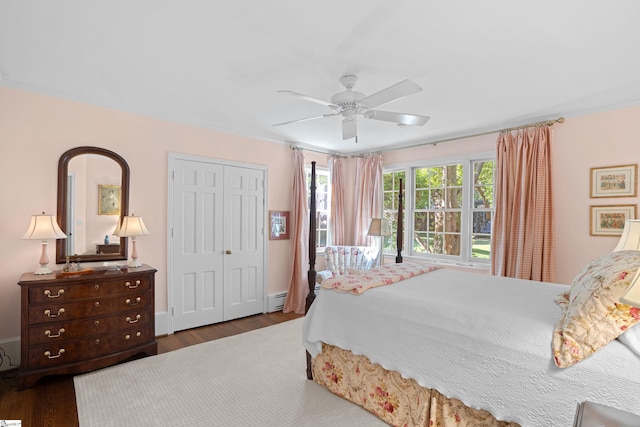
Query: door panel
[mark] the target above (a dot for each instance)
(244, 234)
(197, 248)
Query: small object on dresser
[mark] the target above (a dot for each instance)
(106, 239)
(590, 414)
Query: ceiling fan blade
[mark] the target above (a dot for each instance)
(397, 91)
(304, 120)
(309, 98)
(349, 129)
(399, 118)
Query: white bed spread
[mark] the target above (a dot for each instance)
(481, 339)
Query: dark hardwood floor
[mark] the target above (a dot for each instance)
(52, 402)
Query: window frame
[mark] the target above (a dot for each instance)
(320, 171)
(466, 227)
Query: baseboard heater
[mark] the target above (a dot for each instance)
(276, 301)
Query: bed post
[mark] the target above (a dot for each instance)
(311, 275)
(400, 230)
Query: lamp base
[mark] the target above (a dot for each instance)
(43, 270)
(135, 264)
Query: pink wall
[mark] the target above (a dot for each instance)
(35, 130)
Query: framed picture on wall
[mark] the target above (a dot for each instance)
(609, 220)
(614, 181)
(108, 200)
(279, 225)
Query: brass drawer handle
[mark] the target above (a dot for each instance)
(97, 341)
(130, 286)
(128, 301)
(48, 312)
(130, 320)
(47, 292)
(97, 304)
(48, 333)
(97, 323)
(48, 354)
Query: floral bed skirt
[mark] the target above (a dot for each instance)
(397, 401)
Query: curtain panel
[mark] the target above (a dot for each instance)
(299, 235)
(368, 196)
(523, 244)
(338, 183)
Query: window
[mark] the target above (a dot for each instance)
(323, 204)
(482, 210)
(450, 209)
(390, 199)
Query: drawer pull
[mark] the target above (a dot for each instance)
(96, 287)
(130, 286)
(128, 337)
(129, 302)
(97, 304)
(47, 292)
(48, 333)
(97, 341)
(48, 354)
(48, 312)
(130, 320)
(97, 323)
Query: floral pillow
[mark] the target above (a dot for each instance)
(592, 315)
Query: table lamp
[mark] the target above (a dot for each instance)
(379, 228)
(630, 241)
(133, 226)
(44, 227)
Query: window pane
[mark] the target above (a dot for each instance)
(481, 246)
(422, 199)
(482, 222)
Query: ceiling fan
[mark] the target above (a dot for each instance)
(349, 104)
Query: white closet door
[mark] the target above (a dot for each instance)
(198, 252)
(244, 241)
(217, 247)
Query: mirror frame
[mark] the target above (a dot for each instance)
(63, 171)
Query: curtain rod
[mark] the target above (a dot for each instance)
(542, 123)
(489, 132)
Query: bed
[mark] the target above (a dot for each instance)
(446, 347)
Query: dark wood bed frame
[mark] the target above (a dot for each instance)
(311, 275)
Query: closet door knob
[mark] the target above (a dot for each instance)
(228, 252)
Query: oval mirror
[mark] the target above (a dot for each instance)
(93, 196)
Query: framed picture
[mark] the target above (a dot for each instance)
(279, 225)
(108, 200)
(609, 220)
(614, 181)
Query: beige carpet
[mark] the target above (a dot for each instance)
(252, 379)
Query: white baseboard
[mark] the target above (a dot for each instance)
(9, 350)
(162, 323)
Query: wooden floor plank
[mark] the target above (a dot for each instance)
(52, 402)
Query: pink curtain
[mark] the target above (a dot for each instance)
(338, 184)
(299, 235)
(368, 197)
(523, 243)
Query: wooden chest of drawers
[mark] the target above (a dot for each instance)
(74, 324)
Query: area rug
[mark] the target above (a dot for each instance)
(257, 378)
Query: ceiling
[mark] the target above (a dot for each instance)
(482, 65)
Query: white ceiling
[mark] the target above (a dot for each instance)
(483, 65)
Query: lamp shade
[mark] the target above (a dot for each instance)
(379, 227)
(630, 238)
(44, 227)
(632, 296)
(132, 226)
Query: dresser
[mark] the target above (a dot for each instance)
(79, 323)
